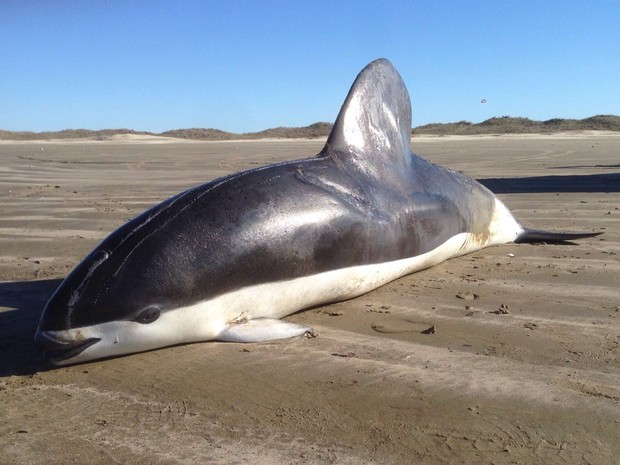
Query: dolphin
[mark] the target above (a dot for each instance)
(227, 259)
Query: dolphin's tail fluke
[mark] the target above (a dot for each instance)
(537, 236)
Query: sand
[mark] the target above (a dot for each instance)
(535, 382)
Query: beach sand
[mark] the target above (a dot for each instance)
(536, 383)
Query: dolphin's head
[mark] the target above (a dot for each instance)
(122, 298)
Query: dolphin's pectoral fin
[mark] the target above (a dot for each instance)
(261, 330)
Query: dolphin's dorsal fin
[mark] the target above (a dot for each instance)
(373, 128)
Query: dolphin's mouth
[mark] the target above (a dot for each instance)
(57, 350)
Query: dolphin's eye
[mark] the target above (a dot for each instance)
(148, 315)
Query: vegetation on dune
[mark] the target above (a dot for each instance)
(101, 134)
(512, 125)
(496, 125)
(199, 134)
(308, 132)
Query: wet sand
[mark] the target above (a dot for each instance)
(538, 382)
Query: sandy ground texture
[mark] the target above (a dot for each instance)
(522, 364)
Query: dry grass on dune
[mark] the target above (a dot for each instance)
(497, 125)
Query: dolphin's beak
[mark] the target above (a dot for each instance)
(57, 350)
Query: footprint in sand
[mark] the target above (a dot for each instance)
(399, 326)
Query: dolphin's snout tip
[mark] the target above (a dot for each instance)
(57, 349)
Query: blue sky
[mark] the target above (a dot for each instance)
(250, 65)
